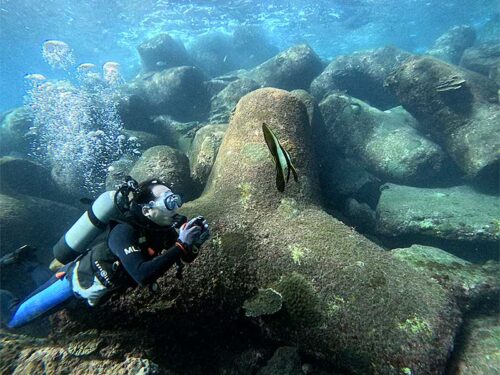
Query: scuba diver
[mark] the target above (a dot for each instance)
(145, 237)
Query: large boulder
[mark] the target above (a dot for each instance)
(143, 140)
(458, 214)
(361, 75)
(223, 103)
(342, 179)
(294, 68)
(162, 52)
(470, 284)
(386, 143)
(22, 176)
(167, 164)
(179, 92)
(482, 58)
(459, 109)
(35, 221)
(204, 150)
(117, 172)
(14, 131)
(343, 299)
(450, 46)
(477, 349)
(212, 52)
(217, 53)
(251, 46)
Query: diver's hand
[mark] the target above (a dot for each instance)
(189, 232)
(205, 232)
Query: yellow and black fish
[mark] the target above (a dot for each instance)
(281, 158)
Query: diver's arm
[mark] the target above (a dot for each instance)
(122, 241)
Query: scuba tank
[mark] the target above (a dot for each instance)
(110, 204)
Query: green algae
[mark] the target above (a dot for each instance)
(416, 326)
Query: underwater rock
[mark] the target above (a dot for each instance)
(29, 220)
(457, 213)
(213, 53)
(143, 140)
(179, 92)
(450, 46)
(22, 176)
(176, 134)
(133, 110)
(482, 58)
(168, 165)
(162, 52)
(251, 46)
(265, 302)
(20, 355)
(384, 142)
(285, 361)
(336, 284)
(458, 109)
(361, 75)
(224, 102)
(468, 283)
(117, 172)
(315, 118)
(216, 85)
(477, 347)
(361, 215)
(343, 178)
(291, 69)
(84, 343)
(14, 131)
(204, 150)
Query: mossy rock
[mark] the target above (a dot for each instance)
(167, 164)
(204, 150)
(458, 213)
(459, 109)
(467, 282)
(294, 68)
(343, 297)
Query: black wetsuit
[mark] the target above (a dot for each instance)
(140, 260)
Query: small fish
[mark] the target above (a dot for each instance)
(161, 64)
(281, 158)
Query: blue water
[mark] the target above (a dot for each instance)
(104, 30)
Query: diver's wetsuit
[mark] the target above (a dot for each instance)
(132, 256)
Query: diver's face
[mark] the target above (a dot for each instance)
(163, 208)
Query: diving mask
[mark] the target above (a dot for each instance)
(168, 201)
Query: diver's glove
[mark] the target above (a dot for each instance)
(205, 232)
(188, 234)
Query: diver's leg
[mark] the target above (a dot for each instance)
(48, 297)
